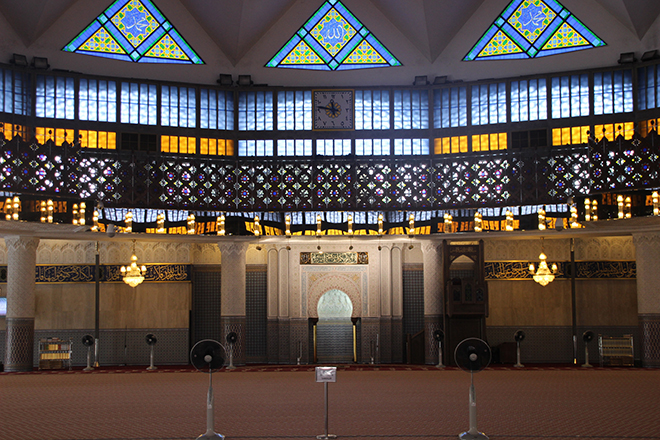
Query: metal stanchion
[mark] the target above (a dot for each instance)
(326, 375)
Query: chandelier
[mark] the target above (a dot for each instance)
(133, 275)
(544, 275)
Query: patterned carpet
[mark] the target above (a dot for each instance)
(367, 402)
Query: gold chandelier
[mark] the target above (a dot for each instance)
(133, 275)
(544, 275)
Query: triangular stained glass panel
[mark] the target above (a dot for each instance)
(302, 53)
(333, 39)
(133, 30)
(538, 28)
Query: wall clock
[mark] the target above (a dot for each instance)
(333, 109)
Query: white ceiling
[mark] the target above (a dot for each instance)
(239, 36)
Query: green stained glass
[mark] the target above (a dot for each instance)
(500, 44)
(135, 22)
(302, 54)
(333, 32)
(133, 30)
(101, 41)
(333, 39)
(167, 48)
(365, 53)
(531, 19)
(533, 28)
(566, 36)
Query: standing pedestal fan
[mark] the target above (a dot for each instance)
(207, 355)
(587, 337)
(472, 355)
(88, 341)
(231, 338)
(519, 336)
(151, 341)
(438, 336)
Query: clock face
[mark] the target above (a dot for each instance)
(333, 109)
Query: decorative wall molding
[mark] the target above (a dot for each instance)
(519, 270)
(84, 273)
(334, 258)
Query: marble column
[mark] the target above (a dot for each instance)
(397, 304)
(272, 335)
(21, 262)
(284, 317)
(232, 296)
(647, 252)
(385, 341)
(433, 307)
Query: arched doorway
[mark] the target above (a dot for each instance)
(335, 337)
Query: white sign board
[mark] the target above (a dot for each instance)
(326, 374)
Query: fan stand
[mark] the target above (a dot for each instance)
(473, 433)
(210, 433)
(89, 360)
(518, 364)
(231, 358)
(151, 366)
(586, 357)
(440, 365)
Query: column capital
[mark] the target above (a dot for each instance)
(430, 246)
(233, 248)
(18, 243)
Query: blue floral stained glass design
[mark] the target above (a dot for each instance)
(134, 30)
(333, 39)
(533, 28)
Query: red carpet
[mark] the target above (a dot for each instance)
(368, 401)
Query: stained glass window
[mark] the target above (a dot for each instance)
(216, 109)
(139, 103)
(533, 28)
(294, 110)
(255, 147)
(411, 147)
(14, 92)
(411, 109)
(55, 97)
(450, 107)
(97, 100)
(97, 139)
(333, 147)
(451, 145)
(570, 96)
(294, 147)
(134, 30)
(489, 104)
(255, 111)
(372, 147)
(529, 100)
(178, 107)
(333, 39)
(613, 92)
(372, 110)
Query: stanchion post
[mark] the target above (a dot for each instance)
(326, 375)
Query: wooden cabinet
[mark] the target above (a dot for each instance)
(55, 353)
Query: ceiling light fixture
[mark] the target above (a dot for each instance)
(132, 274)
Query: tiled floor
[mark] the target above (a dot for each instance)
(390, 403)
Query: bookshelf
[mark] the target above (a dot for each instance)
(55, 353)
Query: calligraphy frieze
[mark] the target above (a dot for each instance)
(334, 258)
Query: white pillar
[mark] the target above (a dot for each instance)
(21, 263)
(232, 295)
(647, 255)
(433, 296)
